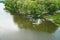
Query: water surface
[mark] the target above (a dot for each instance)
(13, 27)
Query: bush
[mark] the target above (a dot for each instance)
(33, 7)
(11, 6)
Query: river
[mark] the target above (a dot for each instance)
(10, 30)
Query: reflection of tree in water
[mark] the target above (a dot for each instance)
(46, 26)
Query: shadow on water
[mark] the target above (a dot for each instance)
(25, 23)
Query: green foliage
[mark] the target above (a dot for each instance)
(11, 6)
(33, 7)
(51, 6)
(55, 18)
